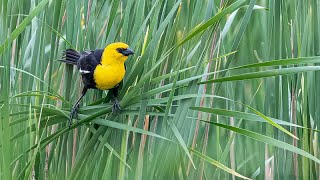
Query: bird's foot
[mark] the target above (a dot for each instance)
(73, 113)
(116, 106)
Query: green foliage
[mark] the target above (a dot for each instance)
(215, 90)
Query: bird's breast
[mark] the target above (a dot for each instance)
(108, 76)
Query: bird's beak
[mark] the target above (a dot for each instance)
(127, 52)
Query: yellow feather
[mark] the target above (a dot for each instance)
(111, 70)
(107, 77)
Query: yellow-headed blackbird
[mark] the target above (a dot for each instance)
(100, 69)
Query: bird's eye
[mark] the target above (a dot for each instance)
(120, 50)
(125, 51)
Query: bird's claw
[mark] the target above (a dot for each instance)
(116, 106)
(73, 113)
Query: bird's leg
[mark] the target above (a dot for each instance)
(75, 107)
(116, 105)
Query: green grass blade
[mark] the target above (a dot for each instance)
(200, 28)
(282, 62)
(270, 121)
(23, 25)
(268, 140)
(217, 164)
(263, 74)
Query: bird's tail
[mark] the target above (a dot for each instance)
(70, 56)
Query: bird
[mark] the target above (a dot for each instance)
(102, 69)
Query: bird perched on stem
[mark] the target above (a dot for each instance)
(100, 69)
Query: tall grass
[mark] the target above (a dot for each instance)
(215, 90)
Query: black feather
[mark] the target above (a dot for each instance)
(70, 56)
(85, 61)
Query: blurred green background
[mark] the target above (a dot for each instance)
(217, 89)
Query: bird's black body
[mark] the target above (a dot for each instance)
(86, 63)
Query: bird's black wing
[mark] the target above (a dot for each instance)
(86, 66)
(98, 54)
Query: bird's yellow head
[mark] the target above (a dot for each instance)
(116, 53)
